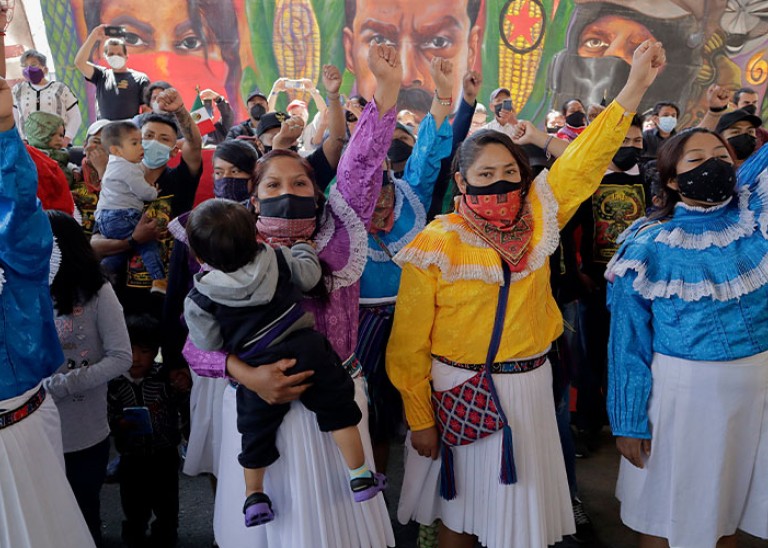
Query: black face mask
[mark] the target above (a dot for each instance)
(576, 119)
(399, 152)
(713, 181)
(499, 187)
(288, 206)
(257, 111)
(553, 129)
(627, 157)
(743, 145)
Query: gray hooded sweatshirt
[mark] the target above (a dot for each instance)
(252, 285)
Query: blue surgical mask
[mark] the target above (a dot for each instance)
(156, 154)
(667, 123)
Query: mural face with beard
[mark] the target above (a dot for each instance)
(420, 31)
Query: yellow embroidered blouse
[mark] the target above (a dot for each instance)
(449, 285)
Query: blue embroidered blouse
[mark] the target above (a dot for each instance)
(413, 195)
(693, 287)
(29, 345)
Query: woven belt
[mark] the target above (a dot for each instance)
(352, 366)
(521, 366)
(23, 411)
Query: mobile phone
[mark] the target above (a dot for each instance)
(114, 31)
(138, 421)
(507, 105)
(294, 84)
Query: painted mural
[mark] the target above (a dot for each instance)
(544, 51)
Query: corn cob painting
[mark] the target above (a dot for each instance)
(61, 32)
(521, 32)
(296, 36)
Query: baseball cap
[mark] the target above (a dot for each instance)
(255, 93)
(496, 91)
(96, 127)
(296, 103)
(739, 115)
(269, 121)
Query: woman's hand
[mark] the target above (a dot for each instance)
(647, 62)
(270, 381)
(441, 71)
(384, 62)
(331, 79)
(472, 82)
(633, 450)
(289, 133)
(426, 442)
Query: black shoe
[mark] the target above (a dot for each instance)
(585, 532)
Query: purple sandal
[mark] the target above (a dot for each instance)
(258, 510)
(367, 488)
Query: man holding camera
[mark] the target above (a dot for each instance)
(119, 90)
(505, 116)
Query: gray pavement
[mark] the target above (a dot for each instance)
(596, 476)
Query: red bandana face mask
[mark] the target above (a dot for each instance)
(504, 221)
(275, 231)
(384, 213)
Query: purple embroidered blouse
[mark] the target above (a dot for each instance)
(342, 242)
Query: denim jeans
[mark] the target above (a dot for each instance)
(118, 224)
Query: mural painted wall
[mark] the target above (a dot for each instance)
(545, 51)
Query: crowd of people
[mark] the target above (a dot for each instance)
(371, 274)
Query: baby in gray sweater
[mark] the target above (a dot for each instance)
(250, 304)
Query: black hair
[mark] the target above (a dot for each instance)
(470, 149)
(240, 154)
(637, 122)
(564, 107)
(669, 154)
(741, 91)
(166, 119)
(222, 234)
(147, 96)
(350, 10)
(79, 277)
(115, 42)
(661, 104)
(114, 133)
(144, 330)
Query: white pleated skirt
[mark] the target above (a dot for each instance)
(204, 443)
(707, 474)
(37, 507)
(534, 512)
(308, 485)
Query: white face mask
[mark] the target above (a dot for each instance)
(117, 62)
(156, 108)
(667, 123)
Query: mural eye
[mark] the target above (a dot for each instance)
(189, 43)
(133, 39)
(438, 42)
(382, 40)
(595, 43)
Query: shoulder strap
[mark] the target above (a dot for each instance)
(498, 323)
(203, 302)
